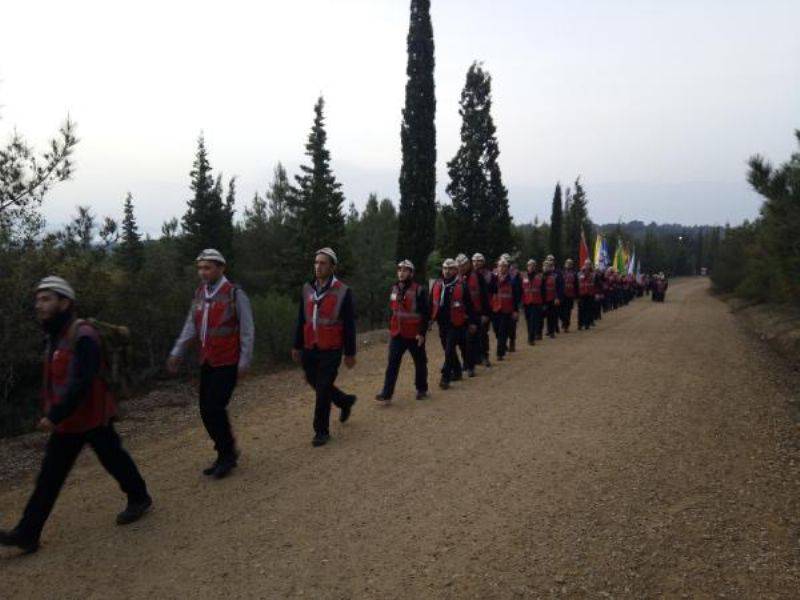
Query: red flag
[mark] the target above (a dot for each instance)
(584, 252)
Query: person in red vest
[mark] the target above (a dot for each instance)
(220, 324)
(480, 301)
(586, 296)
(505, 305)
(516, 278)
(599, 294)
(532, 301)
(490, 283)
(78, 410)
(408, 325)
(326, 331)
(570, 279)
(553, 294)
(451, 308)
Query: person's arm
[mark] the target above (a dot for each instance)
(560, 287)
(516, 291)
(349, 321)
(247, 329)
(472, 316)
(188, 334)
(424, 309)
(484, 292)
(301, 321)
(83, 369)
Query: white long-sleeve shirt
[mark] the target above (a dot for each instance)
(247, 330)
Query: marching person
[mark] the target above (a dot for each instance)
(326, 330)
(516, 279)
(599, 295)
(480, 300)
(505, 305)
(78, 410)
(532, 301)
(220, 322)
(451, 308)
(490, 281)
(586, 296)
(553, 294)
(570, 279)
(408, 325)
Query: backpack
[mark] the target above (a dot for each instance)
(116, 353)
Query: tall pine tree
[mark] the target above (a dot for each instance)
(556, 226)
(417, 218)
(130, 251)
(577, 221)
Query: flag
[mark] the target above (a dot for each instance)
(601, 257)
(632, 263)
(583, 254)
(619, 257)
(598, 244)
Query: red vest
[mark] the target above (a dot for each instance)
(94, 411)
(405, 319)
(458, 313)
(325, 330)
(503, 301)
(474, 287)
(585, 283)
(550, 287)
(569, 284)
(532, 289)
(221, 345)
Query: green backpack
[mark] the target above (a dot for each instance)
(116, 353)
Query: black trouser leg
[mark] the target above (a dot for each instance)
(321, 368)
(552, 318)
(512, 330)
(59, 457)
(501, 327)
(452, 367)
(397, 347)
(566, 312)
(216, 388)
(420, 357)
(538, 315)
(530, 321)
(484, 333)
(465, 347)
(106, 443)
(474, 347)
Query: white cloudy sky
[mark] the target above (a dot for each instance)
(656, 104)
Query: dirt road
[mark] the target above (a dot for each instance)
(653, 457)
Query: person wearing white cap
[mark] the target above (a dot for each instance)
(505, 305)
(516, 281)
(569, 278)
(79, 407)
(553, 296)
(220, 323)
(586, 294)
(452, 310)
(533, 301)
(490, 287)
(471, 352)
(408, 325)
(325, 332)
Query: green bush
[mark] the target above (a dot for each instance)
(275, 317)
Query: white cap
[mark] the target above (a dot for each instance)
(462, 259)
(478, 256)
(531, 261)
(502, 261)
(449, 263)
(57, 285)
(329, 253)
(506, 256)
(211, 254)
(550, 257)
(407, 264)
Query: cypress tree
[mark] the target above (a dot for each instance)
(130, 251)
(556, 226)
(577, 221)
(417, 217)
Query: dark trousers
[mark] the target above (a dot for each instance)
(551, 311)
(483, 335)
(321, 368)
(502, 326)
(586, 310)
(566, 312)
(452, 339)
(598, 309)
(397, 347)
(62, 450)
(512, 331)
(216, 388)
(533, 318)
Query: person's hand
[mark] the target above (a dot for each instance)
(296, 355)
(173, 364)
(45, 424)
(349, 361)
(420, 340)
(515, 315)
(473, 328)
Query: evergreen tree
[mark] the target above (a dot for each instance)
(317, 201)
(130, 253)
(417, 219)
(576, 220)
(279, 195)
(556, 226)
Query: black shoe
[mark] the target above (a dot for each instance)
(320, 440)
(444, 384)
(531, 343)
(209, 470)
(538, 336)
(487, 363)
(457, 377)
(225, 466)
(13, 539)
(471, 372)
(382, 397)
(422, 395)
(345, 412)
(134, 511)
(552, 336)
(501, 358)
(512, 347)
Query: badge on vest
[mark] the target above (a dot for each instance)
(393, 297)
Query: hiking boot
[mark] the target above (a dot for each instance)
(134, 511)
(347, 408)
(209, 470)
(14, 539)
(444, 384)
(486, 362)
(457, 377)
(382, 397)
(471, 372)
(422, 395)
(320, 440)
(225, 465)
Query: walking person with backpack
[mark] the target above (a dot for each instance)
(79, 406)
(220, 322)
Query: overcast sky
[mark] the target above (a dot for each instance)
(656, 104)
